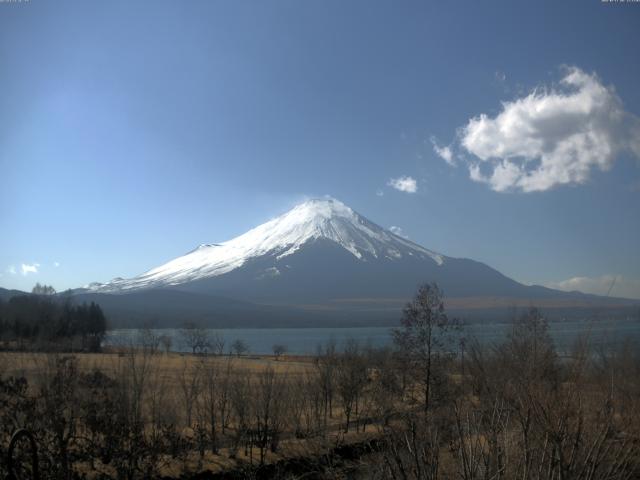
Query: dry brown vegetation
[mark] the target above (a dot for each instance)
(141, 412)
(508, 411)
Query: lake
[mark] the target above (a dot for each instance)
(304, 341)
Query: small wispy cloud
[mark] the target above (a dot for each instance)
(404, 184)
(398, 231)
(27, 268)
(379, 193)
(444, 152)
(56, 264)
(11, 270)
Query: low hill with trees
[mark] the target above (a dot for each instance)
(41, 320)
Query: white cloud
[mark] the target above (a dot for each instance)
(404, 184)
(11, 270)
(622, 286)
(398, 231)
(443, 152)
(56, 264)
(28, 268)
(551, 137)
(379, 193)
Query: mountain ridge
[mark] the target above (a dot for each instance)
(280, 237)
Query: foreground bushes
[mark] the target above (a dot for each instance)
(520, 412)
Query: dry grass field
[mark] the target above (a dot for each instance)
(28, 364)
(174, 391)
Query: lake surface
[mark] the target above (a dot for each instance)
(304, 341)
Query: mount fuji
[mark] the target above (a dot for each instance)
(269, 250)
(320, 262)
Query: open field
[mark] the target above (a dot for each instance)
(28, 364)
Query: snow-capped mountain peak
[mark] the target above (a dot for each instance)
(312, 220)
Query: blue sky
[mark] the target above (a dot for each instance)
(132, 131)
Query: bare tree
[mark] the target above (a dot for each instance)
(195, 338)
(128, 441)
(224, 393)
(209, 400)
(279, 350)
(217, 344)
(386, 388)
(411, 450)
(422, 337)
(239, 347)
(326, 362)
(268, 410)
(148, 339)
(240, 403)
(190, 384)
(351, 379)
(59, 410)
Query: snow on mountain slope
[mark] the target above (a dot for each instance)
(312, 220)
